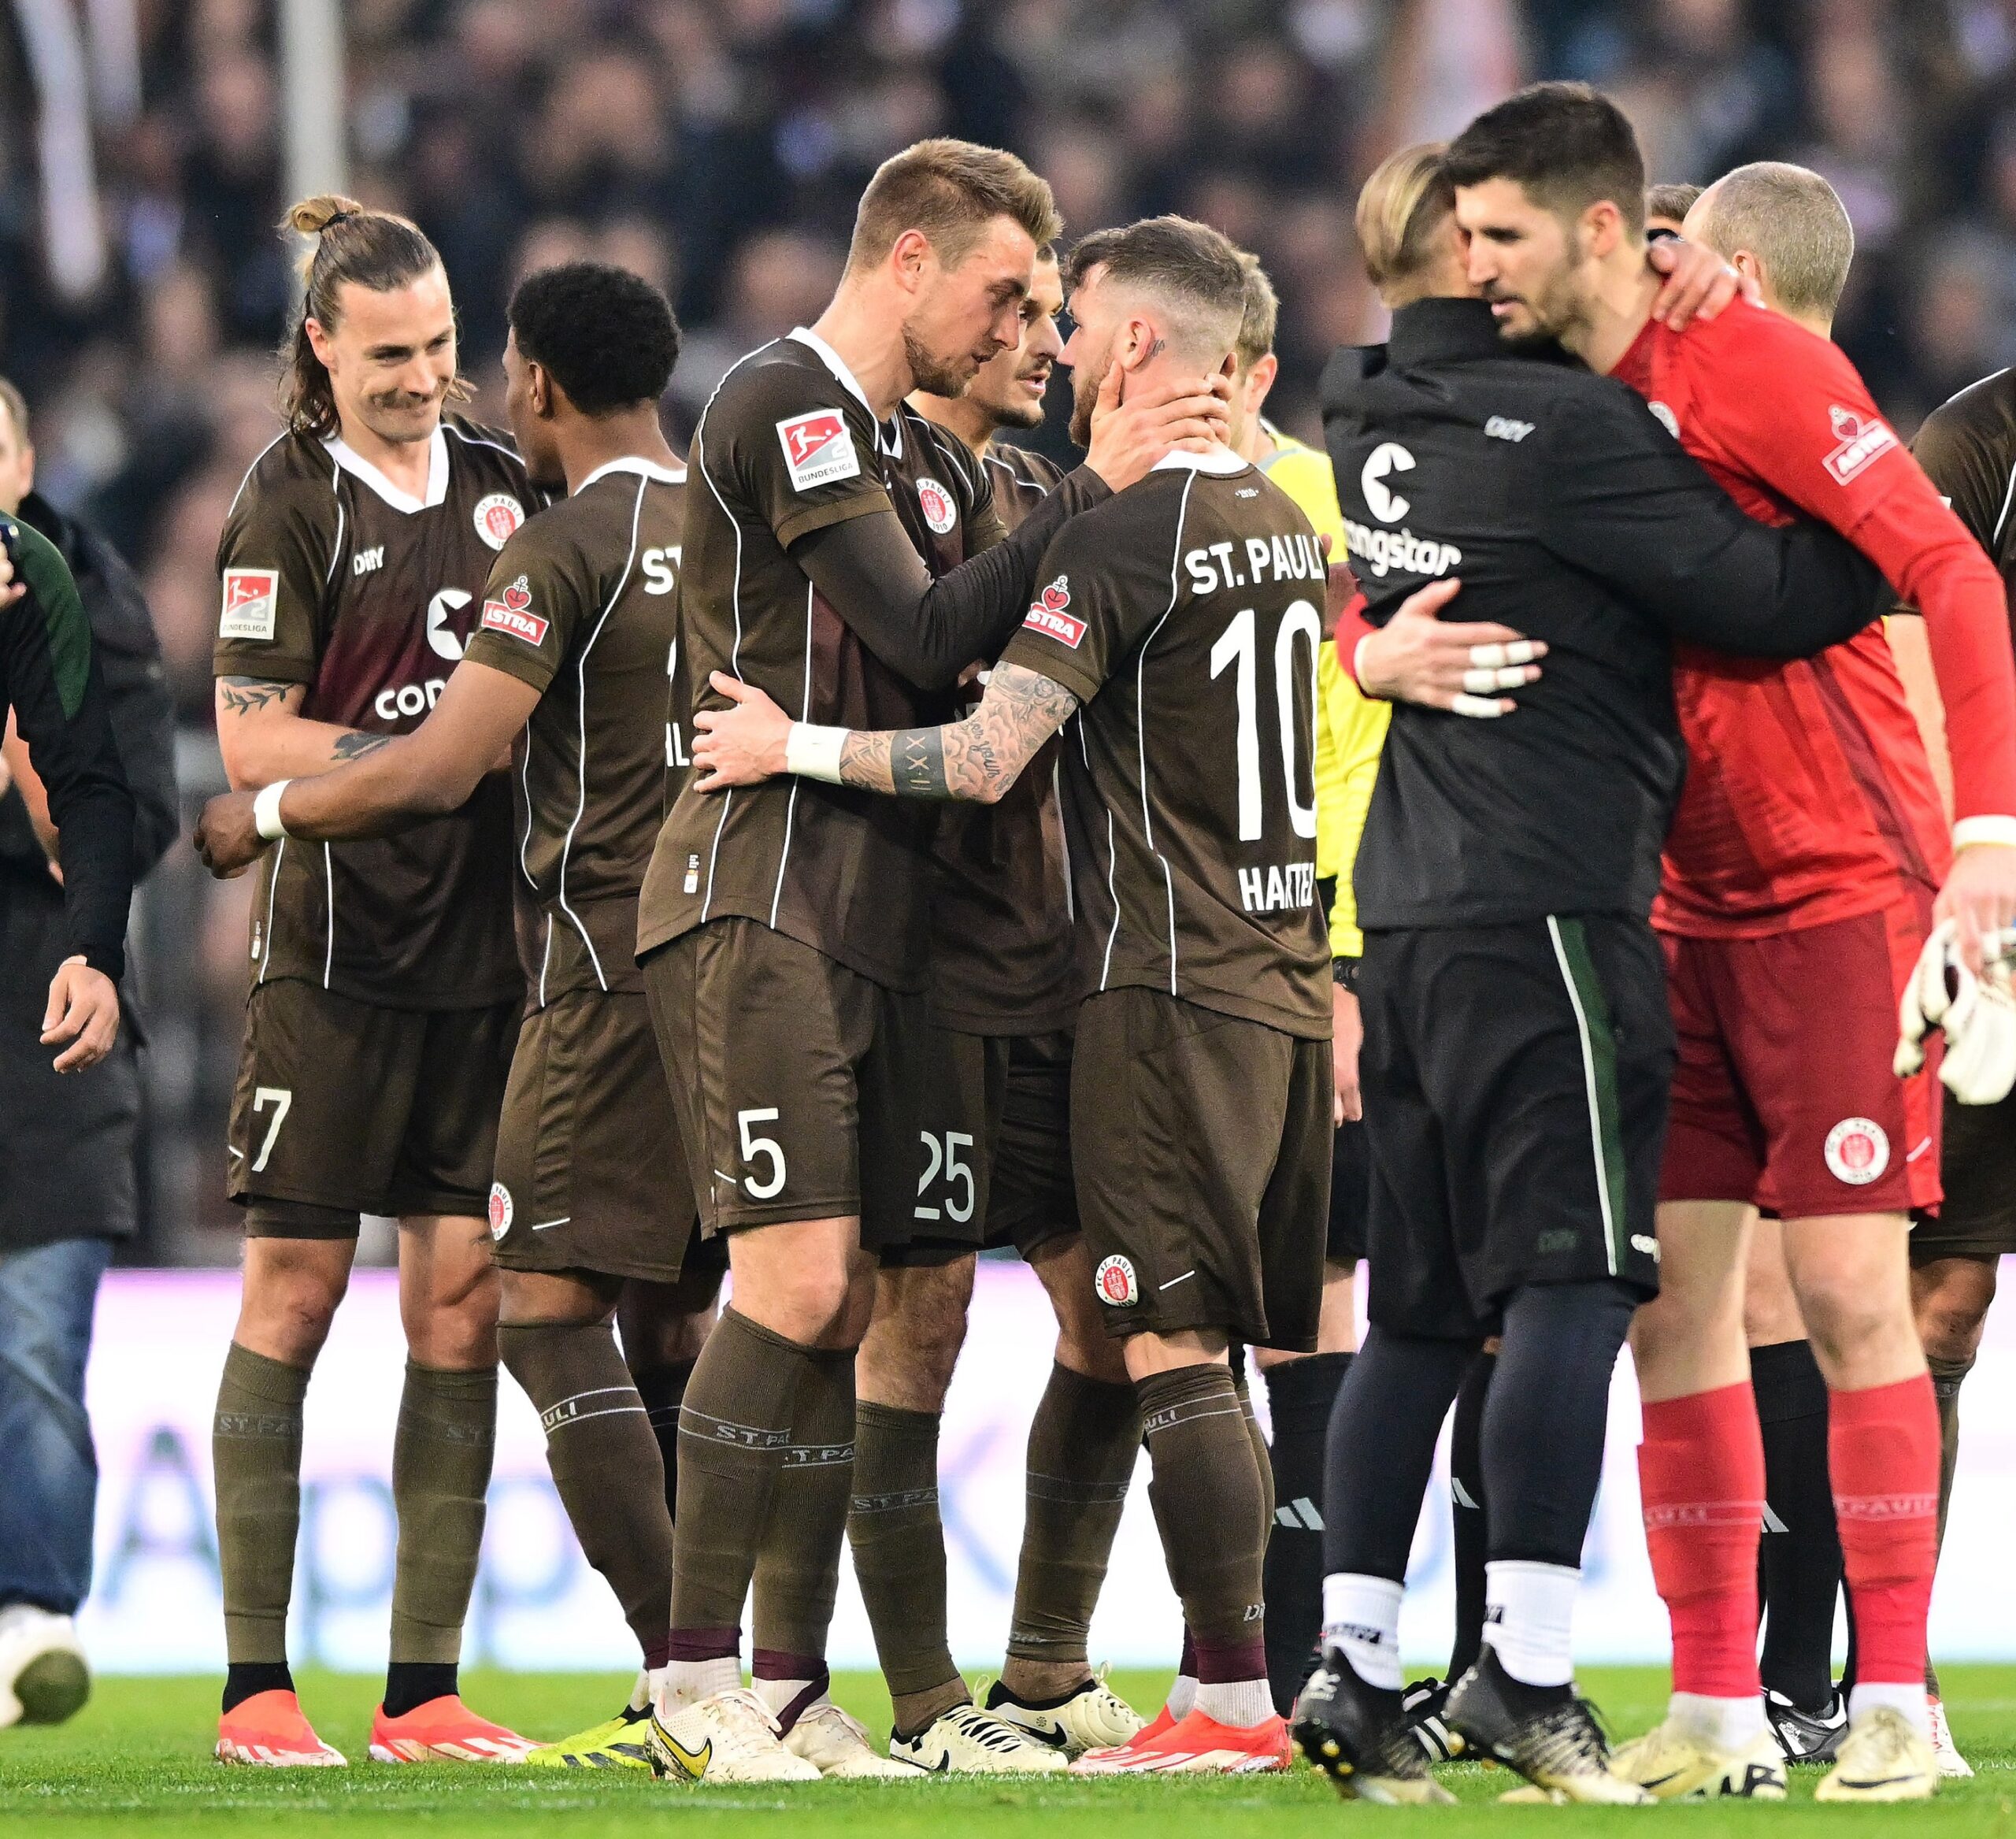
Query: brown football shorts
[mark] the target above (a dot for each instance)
(793, 1078)
(1203, 1144)
(1977, 1161)
(590, 1172)
(995, 1124)
(344, 1108)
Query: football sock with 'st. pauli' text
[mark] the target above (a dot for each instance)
(256, 1447)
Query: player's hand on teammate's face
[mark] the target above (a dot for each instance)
(1347, 1036)
(84, 1010)
(740, 745)
(1698, 283)
(227, 835)
(1129, 437)
(1979, 897)
(1459, 666)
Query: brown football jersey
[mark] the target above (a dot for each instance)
(1001, 956)
(334, 577)
(1184, 614)
(1967, 446)
(582, 606)
(789, 445)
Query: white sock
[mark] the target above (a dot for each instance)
(643, 1694)
(687, 1682)
(1240, 1702)
(1361, 1616)
(780, 1695)
(1909, 1699)
(1530, 1617)
(1183, 1694)
(1724, 1724)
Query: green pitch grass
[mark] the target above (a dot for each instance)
(135, 1763)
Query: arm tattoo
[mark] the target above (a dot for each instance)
(355, 745)
(978, 758)
(242, 695)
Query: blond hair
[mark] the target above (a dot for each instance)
(378, 251)
(1794, 222)
(16, 406)
(1258, 324)
(949, 191)
(1400, 210)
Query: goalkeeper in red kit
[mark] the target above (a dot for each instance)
(1807, 864)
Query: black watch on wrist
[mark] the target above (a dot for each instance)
(1344, 972)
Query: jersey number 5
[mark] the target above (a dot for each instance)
(767, 1147)
(1239, 644)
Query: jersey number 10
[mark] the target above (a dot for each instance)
(1238, 643)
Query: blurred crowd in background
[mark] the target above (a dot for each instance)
(718, 145)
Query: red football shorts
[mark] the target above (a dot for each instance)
(1784, 1095)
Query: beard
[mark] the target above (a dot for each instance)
(934, 375)
(1085, 383)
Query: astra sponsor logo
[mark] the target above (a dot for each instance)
(1046, 615)
(1860, 439)
(511, 614)
(1277, 887)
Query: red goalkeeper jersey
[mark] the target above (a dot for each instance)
(1808, 797)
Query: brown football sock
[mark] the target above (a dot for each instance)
(1208, 1499)
(798, 1570)
(1947, 1376)
(441, 1459)
(256, 1447)
(1261, 1455)
(900, 1558)
(734, 1428)
(1083, 1442)
(605, 1462)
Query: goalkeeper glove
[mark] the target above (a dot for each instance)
(1977, 1014)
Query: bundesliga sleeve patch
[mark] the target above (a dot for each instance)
(1046, 615)
(818, 449)
(250, 596)
(512, 614)
(1859, 440)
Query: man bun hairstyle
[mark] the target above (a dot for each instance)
(1794, 222)
(374, 250)
(1258, 323)
(1401, 210)
(1198, 273)
(1568, 145)
(605, 336)
(949, 190)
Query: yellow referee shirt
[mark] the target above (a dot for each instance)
(1350, 728)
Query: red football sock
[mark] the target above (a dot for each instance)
(1883, 1450)
(1701, 1475)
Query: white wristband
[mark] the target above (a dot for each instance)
(266, 810)
(812, 752)
(1985, 830)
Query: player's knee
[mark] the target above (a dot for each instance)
(288, 1307)
(1844, 1317)
(1951, 1306)
(1951, 1334)
(808, 1304)
(1087, 1349)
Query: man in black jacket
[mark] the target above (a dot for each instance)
(1517, 1048)
(86, 806)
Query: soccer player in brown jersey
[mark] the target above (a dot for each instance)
(385, 986)
(591, 1210)
(1967, 446)
(1003, 993)
(783, 934)
(1201, 1085)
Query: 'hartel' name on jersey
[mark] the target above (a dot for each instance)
(1213, 570)
(1277, 887)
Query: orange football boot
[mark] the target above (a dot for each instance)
(444, 1730)
(1194, 1745)
(267, 1731)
